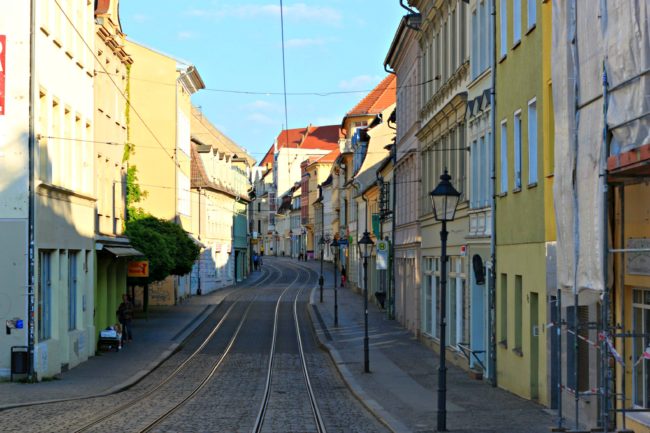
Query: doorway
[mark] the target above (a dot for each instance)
(534, 346)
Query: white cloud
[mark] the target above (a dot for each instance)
(261, 106)
(328, 120)
(184, 35)
(260, 118)
(304, 42)
(298, 11)
(140, 18)
(360, 82)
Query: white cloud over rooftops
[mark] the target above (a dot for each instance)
(297, 11)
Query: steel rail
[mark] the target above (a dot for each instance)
(206, 379)
(115, 411)
(320, 425)
(259, 421)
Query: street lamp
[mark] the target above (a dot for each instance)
(365, 250)
(444, 199)
(321, 244)
(335, 251)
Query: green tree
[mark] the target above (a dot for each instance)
(168, 248)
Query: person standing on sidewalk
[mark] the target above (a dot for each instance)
(125, 316)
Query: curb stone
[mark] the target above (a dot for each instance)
(372, 405)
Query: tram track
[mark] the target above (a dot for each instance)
(319, 423)
(185, 364)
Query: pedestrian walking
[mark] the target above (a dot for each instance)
(343, 276)
(255, 261)
(125, 317)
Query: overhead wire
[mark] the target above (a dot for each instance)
(284, 74)
(275, 93)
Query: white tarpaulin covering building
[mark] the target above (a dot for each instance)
(593, 41)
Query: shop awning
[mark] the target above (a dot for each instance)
(123, 251)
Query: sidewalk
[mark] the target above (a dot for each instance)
(154, 340)
(402, 386)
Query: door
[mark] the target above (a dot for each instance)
(534, 346)
(478, 325)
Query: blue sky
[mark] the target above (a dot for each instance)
(331, 46)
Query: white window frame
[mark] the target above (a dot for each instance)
(517, 150)
(516, 21)
(533, 148)
(503, 28)
(504, 157)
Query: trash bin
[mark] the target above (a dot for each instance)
(19, 360)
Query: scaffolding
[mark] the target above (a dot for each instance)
(612, 332)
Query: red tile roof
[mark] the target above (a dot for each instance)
(322, 137)
(312, 137)
(330, 157)
(380, 98)
(102, 7)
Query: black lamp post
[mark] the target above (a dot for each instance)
(365, 250)
(444, 199)
(321, 280)
(335, 251)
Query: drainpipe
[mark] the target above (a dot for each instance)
(199, 291)
(31, 211)
(391, 287)
(492, 298)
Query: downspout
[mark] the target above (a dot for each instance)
(31, 211)
(199, 291)
(492, 359)
(605, 373)
(391, 287)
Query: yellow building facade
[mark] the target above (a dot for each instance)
(160, 88)
(524, 208)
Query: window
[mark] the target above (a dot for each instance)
(183, 132)
(45, 163)
(476, 174)
(454, 39)
(457, 314)
(503, 28)
(462, 162)
(485, 177)
(476, 32)
(504, 156)
(463, 32)
(641, 367)
(516, 21)
(532, 13)
(483, 29)
(518, 314)
(532, 142)
(517, 150)
(503, 313)
(429, 287)
(183, 194)
(582, 355)
(488, 177)
(72, 290)
(45, 297)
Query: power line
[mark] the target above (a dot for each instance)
(284, 74)
(275, 93)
